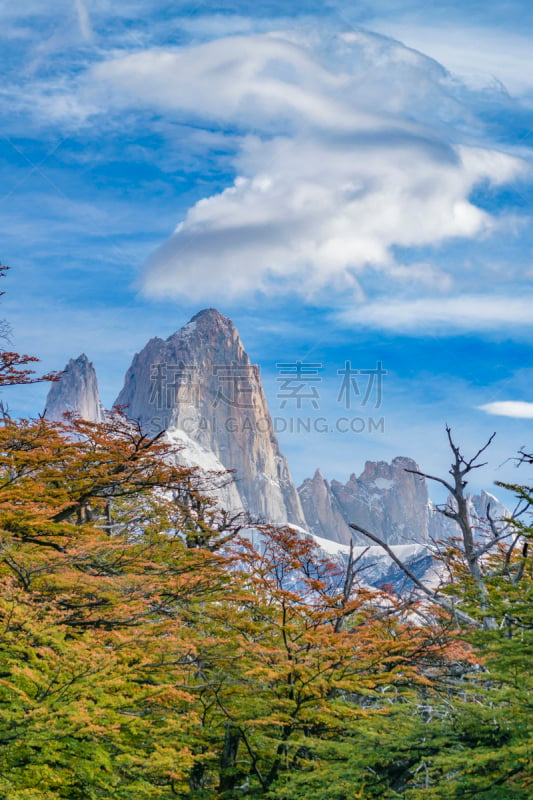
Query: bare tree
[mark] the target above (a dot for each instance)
(472, 551)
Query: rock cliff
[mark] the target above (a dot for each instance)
(480, 508)
(391, 502)
(200, 386)
(201, 381)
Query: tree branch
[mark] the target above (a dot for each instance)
(460, 615)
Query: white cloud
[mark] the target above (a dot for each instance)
(252, 79)
(283, 81)
(307, 214)
(509, 408)
(338, 162)
(442, 314)
(346, 148)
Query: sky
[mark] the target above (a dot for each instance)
(351, 185)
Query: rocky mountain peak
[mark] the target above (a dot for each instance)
(210, 323)
(201, 381)
(76, 391)
(395, 471)
(210, 317)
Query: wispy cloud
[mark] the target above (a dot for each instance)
(84, 20)
(349, 169)
(438, 315)
(480, 55)
(509, 408)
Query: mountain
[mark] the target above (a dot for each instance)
(385, 499)
(485, 505)
(393, 503)
(200, 381)
(75, 391)
(219, 484)
(201, 388)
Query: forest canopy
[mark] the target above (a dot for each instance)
(154, 647)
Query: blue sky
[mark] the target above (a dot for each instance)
(346, 183)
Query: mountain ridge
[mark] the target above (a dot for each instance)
(200, 386)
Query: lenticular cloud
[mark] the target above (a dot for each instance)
(347, 151)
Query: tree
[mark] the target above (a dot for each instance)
(478, 740)
(100, 598)
(14, 366)
(316, 660)
(145, 651)
(148, 651)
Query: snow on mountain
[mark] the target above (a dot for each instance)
(219, 483)
(386, 499)
(201, 388)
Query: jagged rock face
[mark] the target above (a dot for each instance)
(385, 499)
(440, 527)
(322, 511)
(201, 381)
(76, 391)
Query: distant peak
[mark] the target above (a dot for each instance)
(79, 364)
(405, 462)
(76, 391)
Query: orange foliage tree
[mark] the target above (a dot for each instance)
(99, 594)
(147, 650)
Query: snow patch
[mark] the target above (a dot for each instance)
(384, 483)
(193, 454)
(188, 329)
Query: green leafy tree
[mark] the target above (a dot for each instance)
(100, 595)
(477, 737)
